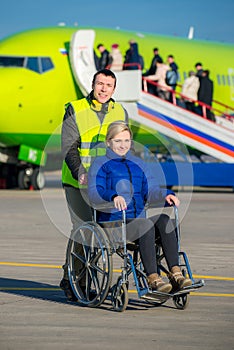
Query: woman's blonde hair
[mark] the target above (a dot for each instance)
(115, 128)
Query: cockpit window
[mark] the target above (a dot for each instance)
(32, 64)
(37, 64)
(46, 64)
(11, 61)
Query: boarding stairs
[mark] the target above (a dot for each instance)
(214, 139)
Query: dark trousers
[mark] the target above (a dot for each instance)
(159, 228)
(142, 231)
(165, 233)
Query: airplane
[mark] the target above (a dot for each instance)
(38, 79)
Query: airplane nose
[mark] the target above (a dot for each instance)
(15, 95)
(11, 103)
(26, 112)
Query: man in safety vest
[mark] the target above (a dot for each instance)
(83, 133)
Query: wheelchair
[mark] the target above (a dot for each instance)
(90, 266)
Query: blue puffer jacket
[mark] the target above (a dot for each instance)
(127, 176)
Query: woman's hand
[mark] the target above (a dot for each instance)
(120, 203)
(172, 200)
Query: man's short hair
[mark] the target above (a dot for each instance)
(106, 72)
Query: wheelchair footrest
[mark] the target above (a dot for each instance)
(195, 285)
(164, 296)
(156, 297)
(188, 289)
(155, 294)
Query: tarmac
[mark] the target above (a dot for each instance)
(36, 315)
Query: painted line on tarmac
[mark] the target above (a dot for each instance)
(220, 278)
(30, 265)
(213, 294)
(9, 263)
(131, 291)
(9, 289)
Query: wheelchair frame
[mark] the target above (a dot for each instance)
(90, 267)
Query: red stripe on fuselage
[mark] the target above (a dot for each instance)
(186, 133)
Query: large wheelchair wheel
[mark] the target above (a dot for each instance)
(90, 264)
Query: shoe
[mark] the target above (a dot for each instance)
(156, 284)
(66, 287)
(178, 280)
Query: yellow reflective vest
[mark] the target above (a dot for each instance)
(92, 133)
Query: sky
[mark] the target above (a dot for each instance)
(211, 20)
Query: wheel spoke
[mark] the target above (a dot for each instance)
(77, 256)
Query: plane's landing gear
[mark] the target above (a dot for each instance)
(19, 173)
(31, 178)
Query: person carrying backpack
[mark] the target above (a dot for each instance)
(172, 75)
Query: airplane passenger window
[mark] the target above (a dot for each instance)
(32, 64)
(46, 64)
(9, 61)
(223, 80)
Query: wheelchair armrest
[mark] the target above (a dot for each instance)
(104, 206)
(164, 204)
(156, 205)
(150, 205)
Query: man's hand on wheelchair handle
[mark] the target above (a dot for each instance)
(83, 179)
(172, 200)
(120, 203)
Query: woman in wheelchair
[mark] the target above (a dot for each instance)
(126, 180)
